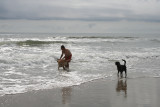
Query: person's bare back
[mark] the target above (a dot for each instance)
(66, 52)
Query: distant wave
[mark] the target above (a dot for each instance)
(31, 42)
(156, 40)
(36, 42)
(55, 40)
(100, 37)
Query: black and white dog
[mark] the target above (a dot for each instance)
(121, 68)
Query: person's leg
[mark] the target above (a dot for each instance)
(67, 66)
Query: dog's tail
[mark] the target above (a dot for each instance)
(124, 61)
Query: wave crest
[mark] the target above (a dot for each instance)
(37, 43)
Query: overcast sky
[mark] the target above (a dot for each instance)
(80, 13)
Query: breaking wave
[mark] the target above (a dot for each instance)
(37, 43)
(31, 42)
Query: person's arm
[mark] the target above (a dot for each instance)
(61, 55)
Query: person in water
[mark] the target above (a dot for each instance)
(67, 55)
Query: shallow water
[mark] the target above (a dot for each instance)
(28, 61)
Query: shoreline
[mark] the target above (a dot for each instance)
(125, 92)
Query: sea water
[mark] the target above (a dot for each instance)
(28, 61)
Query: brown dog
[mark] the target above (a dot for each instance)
(61, 63)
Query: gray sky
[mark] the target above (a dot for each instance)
(85, 15)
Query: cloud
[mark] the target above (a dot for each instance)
(86, 10)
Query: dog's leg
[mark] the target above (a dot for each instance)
(58, 67)
(64, 68)
(125, 73)
(121, 74)
(118, 74)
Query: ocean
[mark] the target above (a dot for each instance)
(28, 60)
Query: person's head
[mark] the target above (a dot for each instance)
(62, 47)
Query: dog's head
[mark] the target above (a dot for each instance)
(58, 60)
(117, 63)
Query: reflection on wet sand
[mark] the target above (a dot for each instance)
(66, 94)
(122, 86)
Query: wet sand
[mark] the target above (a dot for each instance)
(138, 92)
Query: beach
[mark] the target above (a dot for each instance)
(139, 92)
